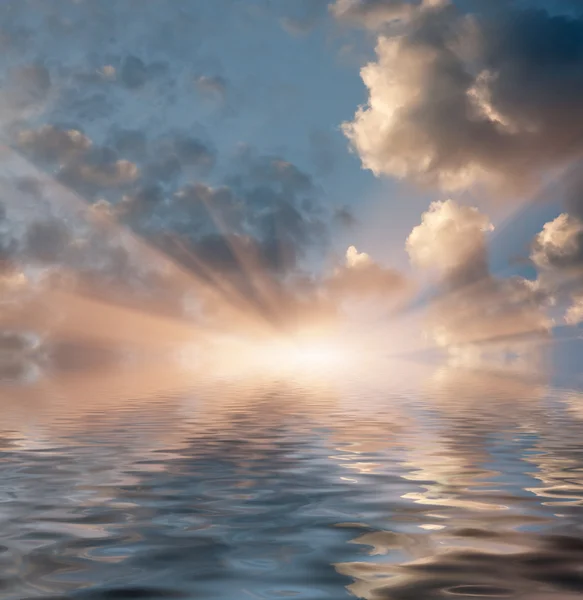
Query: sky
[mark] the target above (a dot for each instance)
(252, 164)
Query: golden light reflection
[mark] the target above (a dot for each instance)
(88, 401)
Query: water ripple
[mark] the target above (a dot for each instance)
(273, 490)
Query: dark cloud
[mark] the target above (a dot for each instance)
(192, 210)
(50, 144)
(8, 244)
(52, 240)
(86, 106)
(133, 72)
(46, 241)
(131, 143)
(212, 86)
(269, 205)
(12, 343)
(238, 242)
(119, 174)
(266, 216)
(551, 6)
(373, 14)
(456, 99)
(344, 217)
(27, 85)
(91, 169)
(19, 352)
(192, 151)
(173, 154)
(97, 170)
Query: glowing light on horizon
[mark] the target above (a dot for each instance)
(273, 356)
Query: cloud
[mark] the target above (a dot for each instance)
(52, 238)
(8, 244)
(452, 241)
(373, 14)
(240, 243)
(457, 99)
(51, 144)
(134, 73)
(557, 252)
(487, 95)
(574, 314)
(119, 198)
(472, 306)
(344, 217)
(267, 206)
(489, 311)
(88, 168)
(212, 86)
(100, 170)
(360, 277)
(28, 84)
(560, 244)
(46, 241)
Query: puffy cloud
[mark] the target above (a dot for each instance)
(451, 240)
(361, 277)
(473, 306)
(574, 314)
(100, 171)
(120, 174)
(51, 144)
(268, 208)
(456, 99)
(557, 251)
(89, 168)
(118, 127)
(50, 237)
(491, 96)
(357, 260)
(235, 247)
(560, 244)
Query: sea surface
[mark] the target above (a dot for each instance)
(407, 483)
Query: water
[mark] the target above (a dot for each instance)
(412, 483)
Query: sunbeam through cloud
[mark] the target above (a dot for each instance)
(291, 299)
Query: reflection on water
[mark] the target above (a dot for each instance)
(151, 482)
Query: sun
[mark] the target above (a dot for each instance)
(304, 355)
(239, 355)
